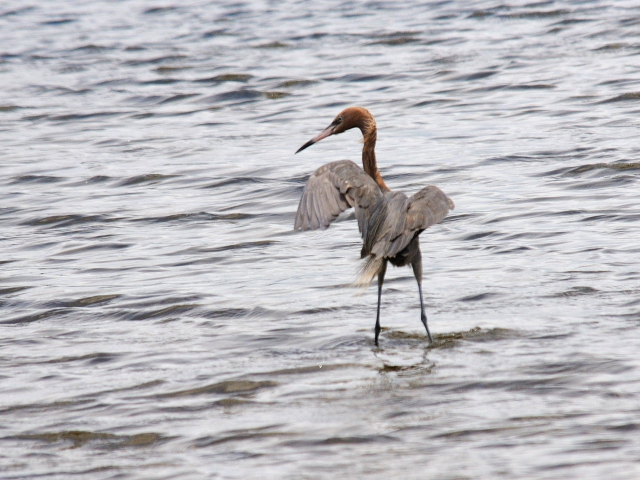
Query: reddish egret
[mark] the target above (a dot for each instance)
(390, 223)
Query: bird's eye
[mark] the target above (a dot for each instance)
(340, 120)
(337, 121)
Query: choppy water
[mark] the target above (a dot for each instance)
(160, 319)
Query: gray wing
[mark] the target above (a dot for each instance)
(332, 189)
(408, 217)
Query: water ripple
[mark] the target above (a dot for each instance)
(158, 306)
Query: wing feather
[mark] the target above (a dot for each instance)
(408, 217)
(428, 207)
(332, 189)
(388, 221)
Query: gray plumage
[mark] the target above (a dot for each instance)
(389, 222)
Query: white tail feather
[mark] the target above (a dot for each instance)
(368, 272)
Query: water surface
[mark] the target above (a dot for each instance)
(160, 318)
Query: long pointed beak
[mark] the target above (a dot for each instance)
(325, 133)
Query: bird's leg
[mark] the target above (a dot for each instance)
(416, 264)
(423, 316)
(383, 270)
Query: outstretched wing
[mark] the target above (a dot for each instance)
(408, 217)
(428, 207)
(332, 189)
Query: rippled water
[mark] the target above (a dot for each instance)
(160, 318)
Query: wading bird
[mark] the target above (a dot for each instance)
(389, 222)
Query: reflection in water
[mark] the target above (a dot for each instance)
(157, 305)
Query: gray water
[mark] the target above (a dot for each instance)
(160, 319)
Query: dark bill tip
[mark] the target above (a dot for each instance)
(324, 134)
(306, 145)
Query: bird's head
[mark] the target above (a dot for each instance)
(347, 119)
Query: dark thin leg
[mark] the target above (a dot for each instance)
(423, 316)
(381, 273)
(417, 271)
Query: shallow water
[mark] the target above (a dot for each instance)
(160, 318)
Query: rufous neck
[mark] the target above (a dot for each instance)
(369, 157)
